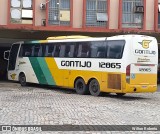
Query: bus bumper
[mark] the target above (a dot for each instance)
(140, 88)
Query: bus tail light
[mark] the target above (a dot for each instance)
(128, 73)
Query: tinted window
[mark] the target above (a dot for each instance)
(65, 50)
(95, 49)
(36, 51)
(49, 50)
(62, 51)
(32, 50)
(83, 49)
(43, 50)
(13, 56)
(56, 50)
(115, 49)
(69, 49)
(26, 50)
(98, 49)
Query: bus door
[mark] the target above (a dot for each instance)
(13, 63)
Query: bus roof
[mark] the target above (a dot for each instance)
(89, 37)
(68, 37)
(86, 38)
(127, 36)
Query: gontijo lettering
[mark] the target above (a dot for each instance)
(137, 51)
(87, 64)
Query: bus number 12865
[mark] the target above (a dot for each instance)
(109, 65)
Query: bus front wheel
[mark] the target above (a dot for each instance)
(94, 88)
(22, 79)
(81, 87)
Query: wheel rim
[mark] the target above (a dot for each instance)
(94, 87)
(80, 86)
(23, 79)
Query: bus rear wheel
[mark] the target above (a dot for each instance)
(81, 87)
(22, 79)
(94, 88)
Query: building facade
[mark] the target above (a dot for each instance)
(81, 15)
(38, 19)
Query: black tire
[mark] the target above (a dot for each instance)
(94, 88)
(22, 79)
(81, 87)
(120, 94)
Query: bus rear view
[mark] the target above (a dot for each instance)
(142, 61)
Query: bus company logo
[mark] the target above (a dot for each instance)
(22, 62)
(13, 76)
(145, 43)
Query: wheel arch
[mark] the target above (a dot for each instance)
(91, 80)
(22, 72)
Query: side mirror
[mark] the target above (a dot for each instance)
(6, 54)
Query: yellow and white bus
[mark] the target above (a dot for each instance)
(119, 64)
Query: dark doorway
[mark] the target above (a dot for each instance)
(3, 63)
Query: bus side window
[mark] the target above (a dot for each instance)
(100, 54)
(26, 50)
(36, 50)
(98, 49)
(49, 50)
(69, 50)
(94, 52)
(57, 51)
(111, 52)
(75, 53)
(62, 51)
(83, 50)
(115, 49)
(43, 50)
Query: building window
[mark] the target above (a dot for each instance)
(21, 12)
(96, 13)
(133, 12)
(59, 12)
